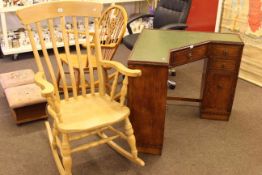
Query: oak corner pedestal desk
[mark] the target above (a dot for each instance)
(154, 51)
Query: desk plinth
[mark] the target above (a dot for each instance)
(154, 51)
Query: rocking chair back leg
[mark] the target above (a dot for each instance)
(66, 152)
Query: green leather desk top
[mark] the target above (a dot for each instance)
(154, 45)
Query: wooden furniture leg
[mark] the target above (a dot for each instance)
(55, 134)
(66, 153)
(130, 137)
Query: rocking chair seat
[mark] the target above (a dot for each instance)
(74, 60)
(84, 113)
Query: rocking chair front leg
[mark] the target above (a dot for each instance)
(54, 134)
(130, 137)
(54, 151)
(66, 154)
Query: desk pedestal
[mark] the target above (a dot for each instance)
(147, 102)
(147, 94)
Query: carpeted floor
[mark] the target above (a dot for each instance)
(192, 146)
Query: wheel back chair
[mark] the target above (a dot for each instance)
(112, 26)
(77, 115)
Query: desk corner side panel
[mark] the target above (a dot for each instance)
(147, 102)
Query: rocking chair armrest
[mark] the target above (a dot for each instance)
(47, 88)
(121, 68)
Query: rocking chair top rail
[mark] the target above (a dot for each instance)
(57, 9)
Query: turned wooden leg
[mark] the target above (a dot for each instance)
(54, 133)
(130, 137)
(66, 154)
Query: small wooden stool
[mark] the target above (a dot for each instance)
(23, 96)
(26, 103)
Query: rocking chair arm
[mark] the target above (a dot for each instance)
(47, 88)
(121, 68)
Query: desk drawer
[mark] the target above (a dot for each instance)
(222, 64)
(224, 50)
(187, 55)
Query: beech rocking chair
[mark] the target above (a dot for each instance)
(78, 114)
